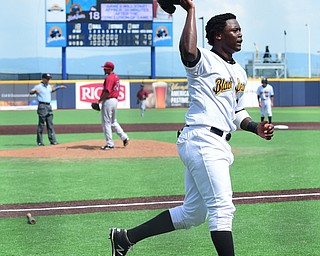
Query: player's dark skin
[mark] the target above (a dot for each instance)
(229, 40)
(225, 44)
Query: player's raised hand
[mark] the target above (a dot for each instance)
(265, 130)
(187, 4)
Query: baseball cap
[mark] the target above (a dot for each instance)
(108, 65)
(46, 76)
(264, 80)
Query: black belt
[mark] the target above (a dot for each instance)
(218, 132)
(41, 102)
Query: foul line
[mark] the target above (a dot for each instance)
(149, 203)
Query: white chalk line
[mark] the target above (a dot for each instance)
(149, 203)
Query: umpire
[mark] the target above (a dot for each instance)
(45, 114)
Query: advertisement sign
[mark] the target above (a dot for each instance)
(178, 95)
(56, 35)
(87, 92)
(250, 94)
(55, 11)
(162, 34)
(17, 97)
(162, 94)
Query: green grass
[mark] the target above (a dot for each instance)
(126, 116)
(288, 161)
(290, 229)
(130, 116)
(49, 180)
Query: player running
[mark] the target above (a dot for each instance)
(216, 84)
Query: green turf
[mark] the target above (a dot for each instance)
(290, 229)
(72, 179)
(129, 116)
(288, 161)
(282, 163)
(126, 116)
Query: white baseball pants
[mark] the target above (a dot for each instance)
(208, 193)
(142, 106)
(266, 107)
(109, 121)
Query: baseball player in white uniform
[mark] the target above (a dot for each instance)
(265, 98)
(216, 85)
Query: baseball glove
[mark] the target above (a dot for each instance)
(95, 106)
(168, 5)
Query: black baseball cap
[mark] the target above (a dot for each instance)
(46, 76)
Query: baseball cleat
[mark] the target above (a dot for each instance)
(119, 242)
(126, 142)
(106, 147)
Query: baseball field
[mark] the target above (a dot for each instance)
(76, 192)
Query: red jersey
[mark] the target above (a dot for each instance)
(112, 85)
(142, 95)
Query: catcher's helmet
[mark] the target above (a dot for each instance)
(264, 80)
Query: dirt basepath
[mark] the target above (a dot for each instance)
(92, 128)
(147, 203)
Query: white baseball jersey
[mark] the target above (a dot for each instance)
(265, 92)
(216, 89)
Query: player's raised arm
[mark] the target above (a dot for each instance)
(188, 39)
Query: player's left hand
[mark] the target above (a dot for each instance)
(265, 130)
(63, 86)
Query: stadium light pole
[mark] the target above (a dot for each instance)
(309, 53)
(285, 44)
(318, 65)
(202, 25)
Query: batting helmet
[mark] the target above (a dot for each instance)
(108, 65)
(264, 80)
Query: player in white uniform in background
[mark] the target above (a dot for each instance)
(265, 98)
(216, 84)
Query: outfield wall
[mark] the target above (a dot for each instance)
(166, 93)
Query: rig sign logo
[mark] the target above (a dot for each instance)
(91, 92)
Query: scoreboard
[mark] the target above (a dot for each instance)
(110, 34)
(79, 23)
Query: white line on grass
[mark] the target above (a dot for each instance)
(149, 203)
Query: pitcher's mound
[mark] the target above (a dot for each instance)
(91, 149)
